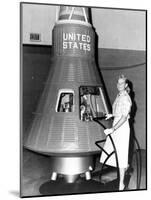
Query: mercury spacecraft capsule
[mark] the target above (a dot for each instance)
(63, 127)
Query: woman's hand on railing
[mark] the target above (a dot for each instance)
(108, 131)
(108, 116)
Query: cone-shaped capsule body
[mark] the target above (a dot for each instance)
(73, 94)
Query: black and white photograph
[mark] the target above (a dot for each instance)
(83, 100)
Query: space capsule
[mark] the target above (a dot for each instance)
(63, 127)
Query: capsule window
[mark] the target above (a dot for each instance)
(92, 103)
(65, 102)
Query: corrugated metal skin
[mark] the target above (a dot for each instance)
(58, 132)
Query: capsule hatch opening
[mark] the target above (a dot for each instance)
(92, 103)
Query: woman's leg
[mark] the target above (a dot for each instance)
(122, 174)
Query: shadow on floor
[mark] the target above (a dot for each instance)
(37, 172)
(80, 186)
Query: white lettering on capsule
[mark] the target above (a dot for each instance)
(76, 41)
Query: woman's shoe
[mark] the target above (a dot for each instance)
(121, 187)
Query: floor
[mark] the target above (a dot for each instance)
(36, 172)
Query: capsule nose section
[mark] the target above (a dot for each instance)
(74, 13)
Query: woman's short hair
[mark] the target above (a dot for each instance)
(122, 76)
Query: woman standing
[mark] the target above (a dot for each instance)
(120, 130)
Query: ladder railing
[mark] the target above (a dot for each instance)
(102, 149)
